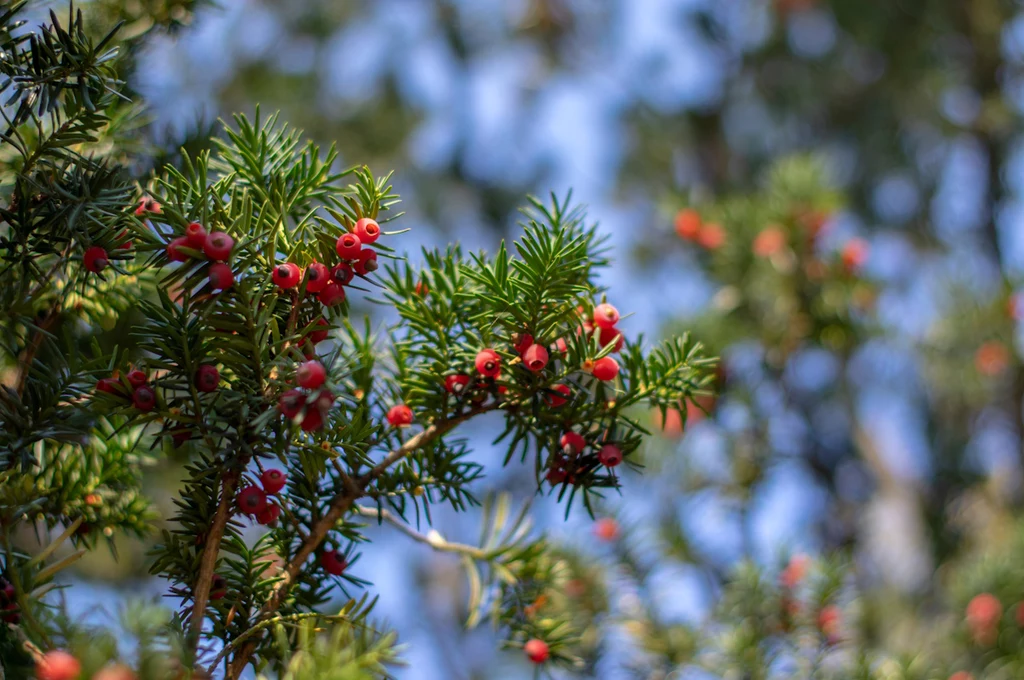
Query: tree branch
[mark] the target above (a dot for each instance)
(211, 548)
(433, 539)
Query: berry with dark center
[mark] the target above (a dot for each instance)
(251, 500)
(95, 259)
(137, 378)
(287, 275)
(456, 384)
(291, 403)
(555, 397)
(400, 415)
(310, 374)
(58, 665)
(332, 294)
(367, 230)
(523, 341)
(148, 205)
(207, 378)
(317, 276)
(606, 368)
(333, 563)
(536, 650)
(144, 398)
(320, 334)
(110, 386)
(174, 252)
(535, 358)
(572, 443)
(324, 400)
(342, 273)
(610, 455)
(269, 514)
(218, 587)
(605, 315)
(273, 480)
(195, 235)
(367, 262)
(348, 246)
(218, 246)
(221, 276)
(488, 363)
(312, 421)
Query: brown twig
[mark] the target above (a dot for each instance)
(211, 548)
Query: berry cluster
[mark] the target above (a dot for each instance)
(254, 501)
(215, 247)
(310, 401)
(134, 387)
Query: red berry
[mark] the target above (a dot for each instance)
(115, 672)
(180, 436)
(606, 368)
(333, 563)
(221, 276)
(218, 587)
(556, 476)
(110, 386)
(58, 665)
(367, 262)
(148, 205)
(313, 420)
(12, 615)
(711, 236)
(348, 246)
(855, 254)
(561, 346)
(342, 273)
(828, 623)
(610, 455)
(287, 275)
(291, 403)
(252, 500)
(173, 252)
(687, 224)
(421, 289)
(144, 398)
(127, 244)
(488, 363)
(137, 378)
(273, 480)
(320, 334)
(269, 514)
(317, 276)
(456, 384)
(218, 246)
(794, 572)
(607, 336)
(606, 529)
(536, 650)
(310, 374)
(324, 400)
(195, 235)
(535, 358)
(605, 316)
(572, 443)
(983, 614)
(400, 415)
(523, 343)
(207, 378)
(332, 294)
(367, 230)
(961, 675)
(95, 259)
(554, 400)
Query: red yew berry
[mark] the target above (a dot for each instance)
(456, 384)
(207, 378)
(992, 358)
(137, 378)
(174, 254)
(687, 224)
(348, 246)
(218, 587)
(610, 455)
(269, 514)
(961, 675)
(310, 374)
(333, 563)
(606, 529)
(367, 262)
(291, 403)
(95, 259)
(488, 363)
(180, 436)
(218, 246)
(794, 572)
(828, 623)
(287, 275)
(983, 614)
(195, 235)
(252, 500)
(399, 416)
(561, 346)
(317, 276)
(342, 273)
(324, 400)
(605, 316)
(770, 241)
(11, 615)
(313, 420)
(536, 650)
(367, 230)
(572, 443)
(127, 244)
(556, 476)
(535, 358)
(607, 336)
(148, 205)
(144, 398)
(273, 480)
(421, 289)
(110, 386)
(854, 254)
(711, 236)
(523, 342)
(332, 294)
(319, 336)
(57, 665)
(553, 398)
(221, 276)
(606, 368)
(115, 672)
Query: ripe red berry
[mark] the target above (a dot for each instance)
(273, 480)
(221, 276)
(195, 235)
(148, 205)
(252, 500)
(144, 398)
(687, 224)
(95, 259)
(342, 273)
(456, 384)
(310, 374)
(711, 236)
(556, 475)
(137, 378)
(174, 254)
(536, 650)
(291, 403)
(421, 289)
(854, 254)
(127, 244)
(794, 572)
(605, 316)
(961, 675)
(983, 614)
(400, 416)
(115, 672)
(561, 346)
(110, 386)
(58, 665)
(180, 436)
(332, 294)
(607, 336)
(523, 343)
(207, 378)
(367, 262)
(317, 276)
(488, 363)
(218, 587)
(606, 368)
(324, 400)
(572, 443)
(535, 358)
(287, 275)
(218, 246)
(333, 563)
(367, 230)
(320, 334)
(828, 623)
(610, 455)
(553, 398)
(606, 529)
(269, 514)
(313, 420)
(348, 246)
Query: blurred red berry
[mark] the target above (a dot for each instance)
(854, 254)
(992, 358)
(606, 529)
(523, 342)
(982, 616)
(310, 374)
(291, 403)
(553, 398)
(218, 587)
(572, 443)
(115, 672)
(323, 328)
(269, 514)
(110, 386)
(794, 572)
(711, 236)
(606, 368)
(769, 241)
(456, 384)
(536, 650)
(148, 205)
(367, 230)
(687, 224)
(174, 254)
(95, 259)
(58, 665)
(312, 420)
(829, 619)
(421, 289)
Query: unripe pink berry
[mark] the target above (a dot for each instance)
(367, 230)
